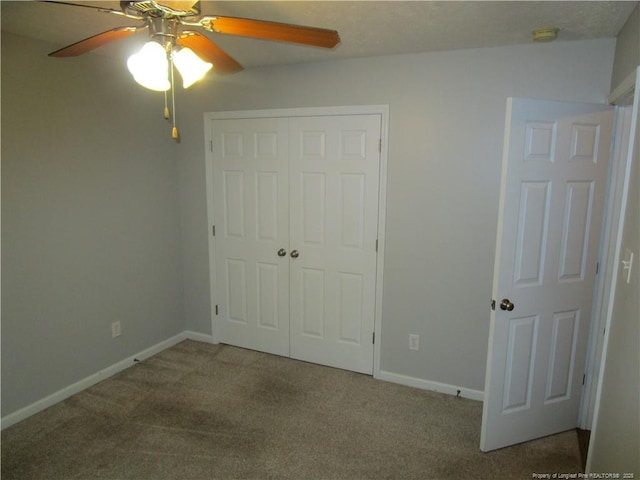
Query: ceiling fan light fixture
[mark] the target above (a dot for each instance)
(191, 67)
(172, 45)
(149, 67)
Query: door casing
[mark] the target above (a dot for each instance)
(383, 111)
(624, 98)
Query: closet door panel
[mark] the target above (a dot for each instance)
(251, 201)
(334, 182)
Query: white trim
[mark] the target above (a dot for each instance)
(299, 112)
(429, 385)
(199, 337)
(616, 264)
(383, 111)
(623, 93)
(623, 97)
(89, 381)
(604, 280)
(112, 370)
(208, 148)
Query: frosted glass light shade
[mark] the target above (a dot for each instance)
(190, 66)
(149, 67)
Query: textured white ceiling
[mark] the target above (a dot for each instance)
(367, 28)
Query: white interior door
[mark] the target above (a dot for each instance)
(296, 214)
(251, 207)
(551, 204)
(335, 168)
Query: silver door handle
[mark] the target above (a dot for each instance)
(506, 304)
(294, 254)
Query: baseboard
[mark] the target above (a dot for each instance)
(199, 337)
(91, 380)
(429, 385)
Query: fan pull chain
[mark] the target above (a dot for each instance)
(166, 106)
(174, 130)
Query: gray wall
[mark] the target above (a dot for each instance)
(90, 220)
(627, 56)
(615, 444)
(104, 218)
(445, 151)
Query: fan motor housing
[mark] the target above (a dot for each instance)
(162, 9)
(164, 30)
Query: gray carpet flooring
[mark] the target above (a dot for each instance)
(200, 411)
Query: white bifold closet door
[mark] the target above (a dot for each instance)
(296, 214)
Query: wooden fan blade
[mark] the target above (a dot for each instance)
(284, 32)
(88, 44)
(209, 52)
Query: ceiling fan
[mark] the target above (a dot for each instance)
(165, 19)
(173, 25)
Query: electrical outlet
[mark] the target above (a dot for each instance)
(414, 342)
(115, 330)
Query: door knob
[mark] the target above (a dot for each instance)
(282, 252)
(506, 304)
(294, 253)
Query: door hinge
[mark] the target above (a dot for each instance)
(597, 267)
(373, 338)
(216, 309)
(211, 146)
(493, 304)
(380, 145)
(376, 244)
(213, 230)
(583, 378)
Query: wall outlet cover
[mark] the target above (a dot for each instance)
(115, 329)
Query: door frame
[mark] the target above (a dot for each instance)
(618, 178)
(383, 111)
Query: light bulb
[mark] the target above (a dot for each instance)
(149, 67)
(190, 66)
